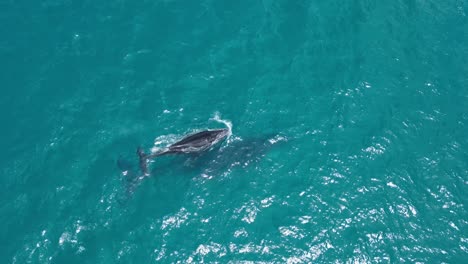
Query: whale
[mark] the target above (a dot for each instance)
(192, 143)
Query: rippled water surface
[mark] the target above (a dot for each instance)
(349, 131)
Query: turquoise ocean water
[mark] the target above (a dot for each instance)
(349, 131)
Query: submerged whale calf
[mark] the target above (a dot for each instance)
(192, 143)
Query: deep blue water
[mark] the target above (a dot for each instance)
(349, 131)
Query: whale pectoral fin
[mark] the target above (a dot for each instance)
(143, 161)
(140, 152)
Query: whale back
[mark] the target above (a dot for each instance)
(200, 139)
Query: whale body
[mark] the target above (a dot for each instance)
(196, 142)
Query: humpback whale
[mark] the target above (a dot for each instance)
(196, 142)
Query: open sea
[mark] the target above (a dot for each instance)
(349, 125)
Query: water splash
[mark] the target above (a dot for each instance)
(227, 123)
